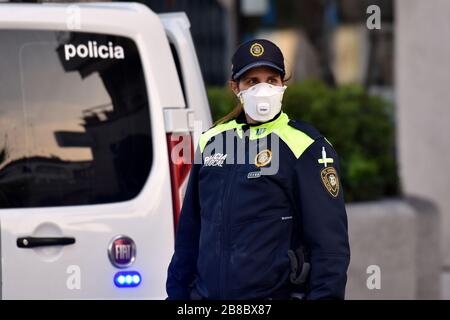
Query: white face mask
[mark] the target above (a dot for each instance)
(262, 102)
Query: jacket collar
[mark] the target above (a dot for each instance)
(260, 129)
(242, 119)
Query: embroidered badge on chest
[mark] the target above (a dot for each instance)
(263, 158)
(215, 160)
(330, 180)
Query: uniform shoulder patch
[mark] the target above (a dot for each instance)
(306, 128)
(215, 130)
(330, 180)
(296, 140)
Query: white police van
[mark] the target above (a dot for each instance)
(93, 100)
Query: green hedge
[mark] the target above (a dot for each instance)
(359, 126)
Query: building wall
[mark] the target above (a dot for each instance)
(211, 29)
(423, 104)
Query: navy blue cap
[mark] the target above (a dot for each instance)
(256, 53)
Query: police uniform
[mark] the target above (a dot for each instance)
(255, 188)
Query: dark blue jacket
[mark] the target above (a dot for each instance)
(248, 187)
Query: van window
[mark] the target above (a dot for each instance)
(74, 119)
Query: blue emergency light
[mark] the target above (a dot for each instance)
(127, 279)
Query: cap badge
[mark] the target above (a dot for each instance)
(256, 50)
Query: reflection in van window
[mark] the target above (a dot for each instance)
(74, 119)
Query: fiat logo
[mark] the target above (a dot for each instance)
(122, 251)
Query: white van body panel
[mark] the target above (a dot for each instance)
(177, 28)
(50, 272)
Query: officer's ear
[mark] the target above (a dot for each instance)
(234, 86)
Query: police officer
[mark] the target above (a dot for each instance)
(264, 187)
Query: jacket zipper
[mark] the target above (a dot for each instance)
(224, 261)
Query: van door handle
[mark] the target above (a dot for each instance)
(32, 242)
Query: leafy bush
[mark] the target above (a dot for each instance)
(359, 126)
